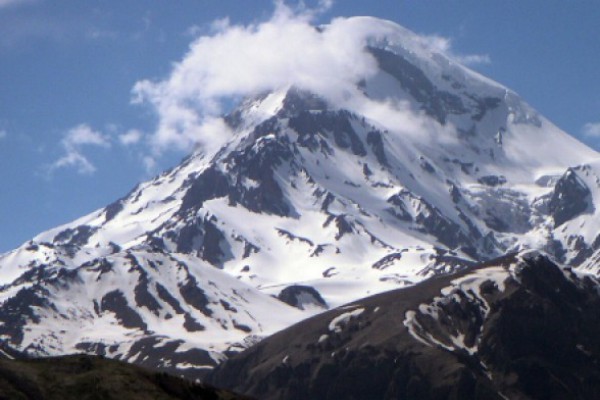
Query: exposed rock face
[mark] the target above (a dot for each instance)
(570, 198)
(302, 297)
(519, 327)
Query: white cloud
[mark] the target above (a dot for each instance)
(443, 45)
(73, 141)
(591, 130)
(236, 61)
(150, 164)
(131, 137)
(84, 135)
(3, 134)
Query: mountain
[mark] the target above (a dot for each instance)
(88, 377)
(159, 310)
(518, 327)
(425, 169)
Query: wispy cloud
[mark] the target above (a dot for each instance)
(73, 143)
(473, 59)
(3, 134)
(150, 164)
(444, 46)
(101, 34)
(131, 137)
(591, 130)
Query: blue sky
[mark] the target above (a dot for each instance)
(71, 140)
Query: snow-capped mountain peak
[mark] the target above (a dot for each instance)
(421, 168)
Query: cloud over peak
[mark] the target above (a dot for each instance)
(238, 61)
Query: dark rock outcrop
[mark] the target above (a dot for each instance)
(301, 296)
(570, 198)
(519, 327)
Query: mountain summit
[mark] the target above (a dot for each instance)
(423, 168)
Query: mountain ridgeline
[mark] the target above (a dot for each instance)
(313, 204)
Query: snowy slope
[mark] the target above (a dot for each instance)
(427, 168)
(148, 307)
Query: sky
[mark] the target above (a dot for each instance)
(87, 88)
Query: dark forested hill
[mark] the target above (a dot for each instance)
(82, 377)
